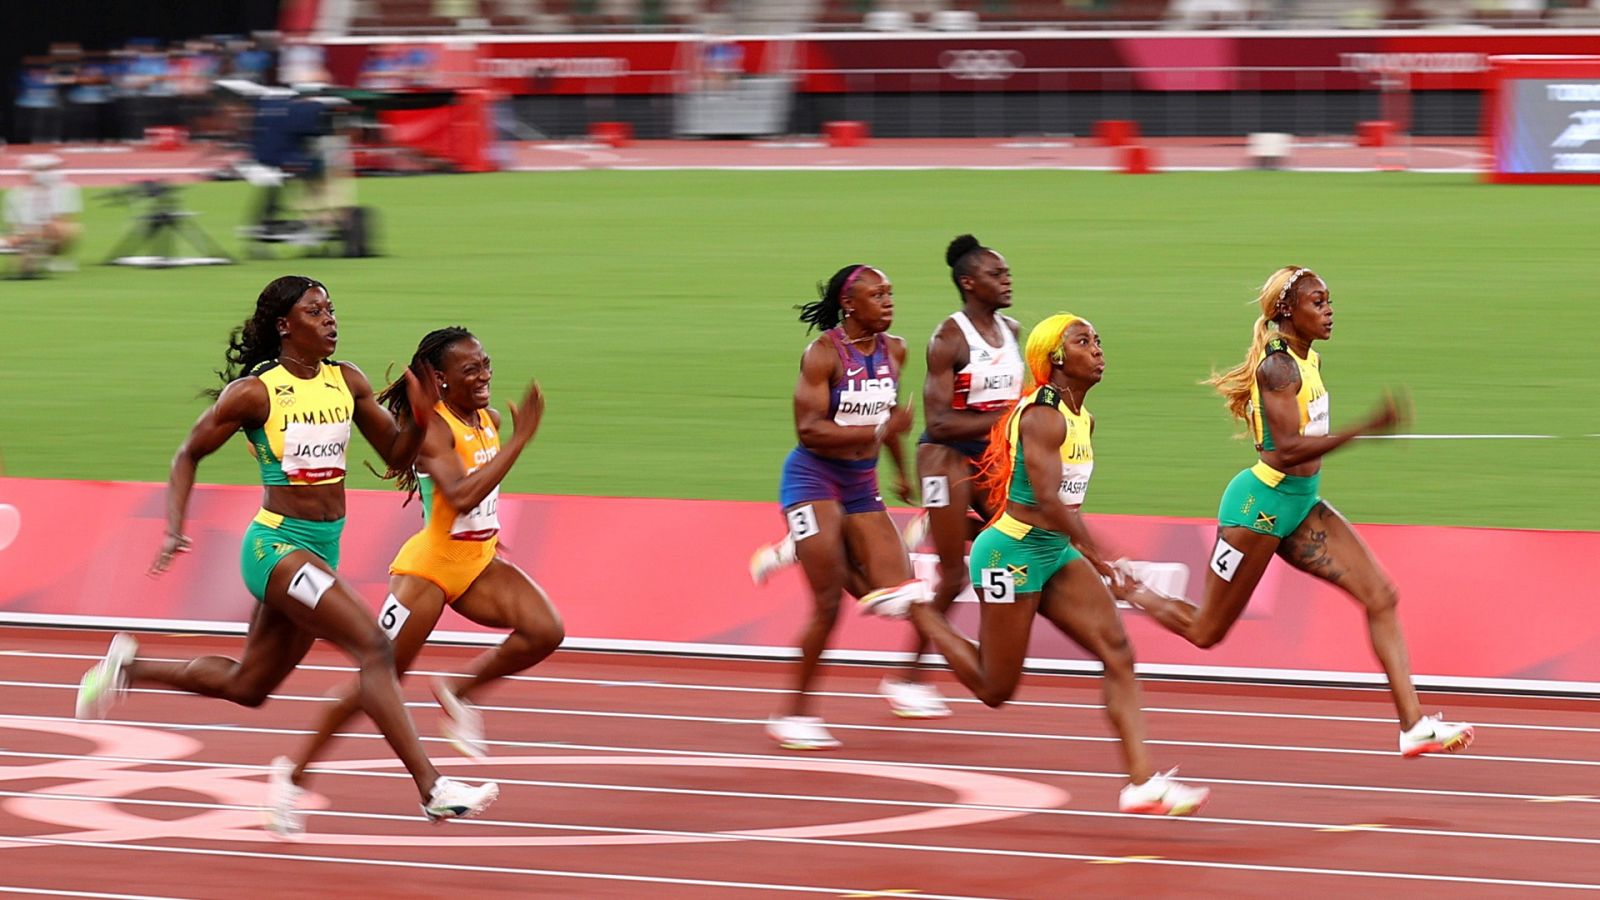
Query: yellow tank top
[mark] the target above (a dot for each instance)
(476, 443)
(1312, 397)
(1077, 450)
(307, 432)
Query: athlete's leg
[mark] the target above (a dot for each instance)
(875, 548)
(503, 596)
(273, 646)
(1238, 560)
(949, 527)
(1325, 545)
(425, 602)
(304, 589)
(818, 529)
(1078, 603)
(992, 667)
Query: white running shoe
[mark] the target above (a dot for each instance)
(283, 819)
(895, 602)
(916, 531)
(800, 733)
(1433, 735)
(452, 799)
(1163, 795)
(106, 682)
(462, 724)
(769, 558)
(913, 699)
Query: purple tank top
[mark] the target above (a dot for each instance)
(866, 393)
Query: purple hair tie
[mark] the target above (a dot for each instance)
(850, 279)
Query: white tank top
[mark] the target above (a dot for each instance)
(992, 376)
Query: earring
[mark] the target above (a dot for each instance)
(443, 386)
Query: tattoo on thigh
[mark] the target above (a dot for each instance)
(1308, 551)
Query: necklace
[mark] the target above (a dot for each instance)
(850, 340)
(300, 362)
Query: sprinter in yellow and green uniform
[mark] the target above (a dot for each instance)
(1273, 507)
(1037, 556)
(296, 406)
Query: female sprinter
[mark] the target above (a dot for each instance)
(974, 375)
(1038, 557)
(295, 406)
(845, 412)
(1273, 506)
(452, 560)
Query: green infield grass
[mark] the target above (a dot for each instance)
(656, 310)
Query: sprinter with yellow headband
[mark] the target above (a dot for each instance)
(1274, 507)
(1037, 556)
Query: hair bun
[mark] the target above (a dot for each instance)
(960, 247)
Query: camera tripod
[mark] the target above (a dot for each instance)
(156, 233)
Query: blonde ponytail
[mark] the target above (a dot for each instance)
(1234, 385)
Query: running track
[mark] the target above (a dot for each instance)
(628, 776)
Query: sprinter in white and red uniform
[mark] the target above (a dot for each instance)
(975, 374)
(846, 412)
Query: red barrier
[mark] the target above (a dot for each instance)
(1116, 132)
(1476, 603)
(458, 133)
(845, 134)
(612, 134)
(1376, 133)
(1136, 160)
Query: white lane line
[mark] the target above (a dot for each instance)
(1177, 822)
(1457, 437)
(737, 689)
(903, 729)
(57, 892)
(610, 748)
(492, 870)
(825, 842)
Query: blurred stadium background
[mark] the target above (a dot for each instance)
(655, 305)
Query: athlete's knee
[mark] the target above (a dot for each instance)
(995, 696)
(250, 696)
(1205, 637)
(1382, 599)
(373, 648)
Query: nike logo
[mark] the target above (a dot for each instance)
(854, 372)
(466, 437)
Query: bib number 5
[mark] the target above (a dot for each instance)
(997, 586)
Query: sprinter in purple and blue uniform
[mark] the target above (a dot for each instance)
(846, 410)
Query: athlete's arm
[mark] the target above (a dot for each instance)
(894, 430)
(1279, 380)
(817, 431)
(947, 352)
(242, 404)
(396, 442)
(461, 490)
(1042, 436)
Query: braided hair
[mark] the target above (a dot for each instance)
(430, 351)
(827, 311)
(257, 340)
(961, 256)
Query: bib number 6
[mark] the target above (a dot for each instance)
(997, 586)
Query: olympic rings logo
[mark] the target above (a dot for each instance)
(981, 65)
(96, 790)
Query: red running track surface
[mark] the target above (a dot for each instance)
(629, 776)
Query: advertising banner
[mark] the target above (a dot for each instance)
(1478, 605)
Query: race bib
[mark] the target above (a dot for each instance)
(480, 522)
(1317, 416)
(997, 586)
(315, 453)
(935, 491)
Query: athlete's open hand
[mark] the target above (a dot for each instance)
(1393, 413)
(171, 546)
(525, 416)
(423, 394)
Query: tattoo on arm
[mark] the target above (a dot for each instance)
(1278, 372)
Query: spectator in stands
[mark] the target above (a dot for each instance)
(38, 103)
(42, 217)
